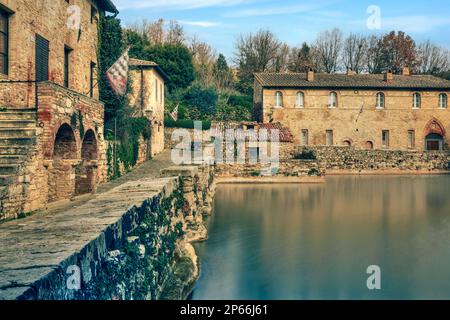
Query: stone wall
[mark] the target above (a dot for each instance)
(145, 255)
(348, 159)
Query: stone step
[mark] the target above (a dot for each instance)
(5, 180)
(11, 158)
(17, 123)
(6, 133)
(8, 168)
(15, 142)
(17, 115)
(13, 150)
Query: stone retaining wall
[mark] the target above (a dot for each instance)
(143, 252)
(350, 159)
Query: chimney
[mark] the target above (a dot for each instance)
(406, 72)
(310, 76)
(388, 76)
(350, 72)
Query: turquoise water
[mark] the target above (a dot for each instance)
(316, 241)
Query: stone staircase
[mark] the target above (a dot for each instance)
(17, 137)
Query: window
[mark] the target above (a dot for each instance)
(4, 32)
(333, 100)
(380, 100)
(411, 139)
(304, 137)
(92, 79)
(278, 99)
(156, 90)
(329, 137)
(161, 93)
(416, 100)
(42, 47)
(67, 52)
(300, 100)
(443, 101)
(385, 138)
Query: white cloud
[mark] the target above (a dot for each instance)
(175, 4)
(203, 24)
(280, 9)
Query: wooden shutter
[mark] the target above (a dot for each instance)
(42, 58)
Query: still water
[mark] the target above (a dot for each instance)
(316, 241)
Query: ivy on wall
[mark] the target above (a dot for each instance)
(119, 124)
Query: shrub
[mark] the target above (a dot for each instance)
(204, 99)
(305, 154)
(185, 123)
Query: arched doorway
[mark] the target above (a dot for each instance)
(86, 171)
(60, 181)
(434, 136)
(347, 143)
(434, 142)
(369, 145)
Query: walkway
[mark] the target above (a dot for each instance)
(33, 247)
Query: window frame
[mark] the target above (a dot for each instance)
(298, 95)
(305, 135)
(445, 97)
(329, 140)
(92, 68)
(330, 104)
(411, 139)
(280, 95)
(383, 100)
(415, 95)
(67, 55)
(4, 14)
(385, 142)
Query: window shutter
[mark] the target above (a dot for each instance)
(42, 58)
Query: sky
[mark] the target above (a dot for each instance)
(220, 22)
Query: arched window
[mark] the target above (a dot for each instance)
(380, 100)
(443, 101)
(333, 102)
(278, 99)
(300, 100)
(417, 100)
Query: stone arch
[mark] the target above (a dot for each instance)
(86, 171)
(368, 145)
(61, 184)
(434, 135)
(347, 142)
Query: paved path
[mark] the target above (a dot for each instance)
(32, 247)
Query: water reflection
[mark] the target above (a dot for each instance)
(316, 241)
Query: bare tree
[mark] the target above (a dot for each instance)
(354, 52)
(373, 57)
(204, 57)
(432, 59)
(328, 47)
(281, 61)
(175, 33)
(156, 32)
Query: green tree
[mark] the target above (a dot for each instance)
(203, 99)
(222, 73)
(176, 61)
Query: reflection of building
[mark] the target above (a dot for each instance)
(148, 98)
(365, 111)
(51, 134)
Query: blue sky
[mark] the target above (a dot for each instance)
(220, 22)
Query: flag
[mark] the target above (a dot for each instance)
(174, 114)
(118, 74)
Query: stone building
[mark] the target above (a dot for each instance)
(381, 111)
(148, 99)
(51, 121)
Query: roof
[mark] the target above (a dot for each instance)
(357, 81)
(144, 64)
(107, 5)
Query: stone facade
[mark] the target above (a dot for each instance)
(358, 119)
(52, 147)
(148, 99)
